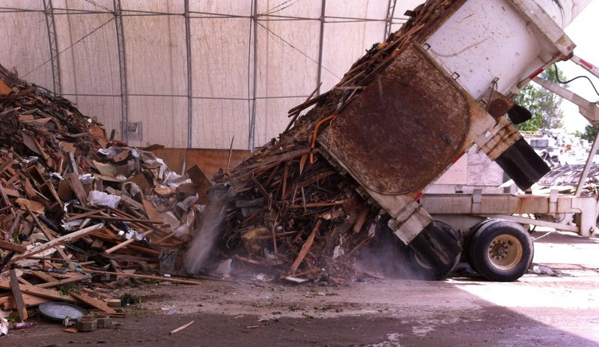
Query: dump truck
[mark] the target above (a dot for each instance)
(444, 89)
(366, 157)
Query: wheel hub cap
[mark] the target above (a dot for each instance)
(505, 251)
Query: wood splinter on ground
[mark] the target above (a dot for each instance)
(174, 331)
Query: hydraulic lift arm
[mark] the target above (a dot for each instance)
(589, 110)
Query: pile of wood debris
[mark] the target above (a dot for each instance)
(78, 207)
(292, 208)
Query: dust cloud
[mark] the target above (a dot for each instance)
(388, 255)
(219, 197)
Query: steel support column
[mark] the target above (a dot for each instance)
(189, 77)
(120, 38)
(252, 125)
(321, 45)
(389, 19)
(55, 62)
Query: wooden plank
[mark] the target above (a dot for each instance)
(50, 235)
(12, 192)
(9, 246)
(305, 247)
(72, 216)
(133, 203)
(141, 249)
(360, 220)
(30, 301)
(174, 331)
(152, 211)
(99, 304)
(6, 164)
(63, 281)
(16, 292)
(201, 182)
(57, 241)
(5, 198)
(44, 276)
(74, 166)
(147, 277)
(24, 281)
(123, 219)
(126, 243)
(77, 187)
(41, 292)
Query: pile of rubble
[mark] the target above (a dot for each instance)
(78, 207)
(289, 206)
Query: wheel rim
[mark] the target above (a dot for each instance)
(505, 252)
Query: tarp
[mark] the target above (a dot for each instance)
(228, 70)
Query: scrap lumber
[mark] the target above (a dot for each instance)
(58, 241)
(61, 282)
(9, 303)
(58, 164)
(49, 159)
(146, 277)
(41, 292)
(16, 292)
(99, 304)
(44, 276)
(305, 248)
(290, 182)
(10, 246)
(174, 331)
(48, 234)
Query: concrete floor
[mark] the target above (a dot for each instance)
(538, 310)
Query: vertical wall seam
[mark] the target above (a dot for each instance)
(321, 45)
(53, 42)
(120, 38)
(189, 77)
(389, 19)
(252, 130)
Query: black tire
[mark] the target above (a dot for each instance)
(468, 243)
(420, 269)
(500, 250)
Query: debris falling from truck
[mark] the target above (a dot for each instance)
(296, 211)
(210, 229)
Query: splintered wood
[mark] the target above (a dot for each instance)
(76, 207)
(79, 207)
(295, 209)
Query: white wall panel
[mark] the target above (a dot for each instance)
(164, 120)
(271, 117)
(216, 122)
(287, 58)
(91, 65)
(156, 55)
(291, 8)
(220, 53)
(237, 76)
(336, 62)
(221, 8)
(24, 46)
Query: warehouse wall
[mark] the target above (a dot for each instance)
(191, 73)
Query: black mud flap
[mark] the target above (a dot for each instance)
(519, 114)
(436, 247)
(522, 164)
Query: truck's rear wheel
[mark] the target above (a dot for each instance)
(501, 250)
(420, 268)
